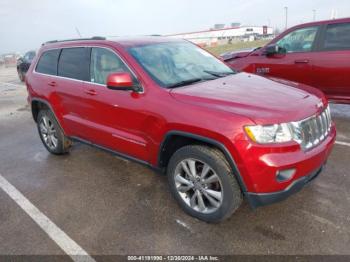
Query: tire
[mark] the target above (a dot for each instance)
(20, 75)
(185, 191)
(54, 140)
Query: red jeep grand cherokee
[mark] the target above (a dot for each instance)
(316, 54)
(171, 105)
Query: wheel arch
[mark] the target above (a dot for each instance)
(174, 140)
(38, 104)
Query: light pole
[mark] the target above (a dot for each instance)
(314, 14)
(286, 9)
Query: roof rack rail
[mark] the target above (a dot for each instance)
(75, 39)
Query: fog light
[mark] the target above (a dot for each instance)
(284, 175)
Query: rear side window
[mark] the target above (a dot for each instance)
(337, 37)
(74, 63)
(48, 62)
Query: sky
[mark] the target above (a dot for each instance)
(25, 24)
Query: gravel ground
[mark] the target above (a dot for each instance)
(111, 206)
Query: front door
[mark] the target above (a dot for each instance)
(295, 64)
(115, 118)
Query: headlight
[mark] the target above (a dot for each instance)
(278, 133)
(307, 133)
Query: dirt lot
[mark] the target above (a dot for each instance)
(112, 206)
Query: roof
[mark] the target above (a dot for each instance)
(122, 41)
(144, 40)
(339, 20)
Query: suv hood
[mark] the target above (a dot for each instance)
(262, 100)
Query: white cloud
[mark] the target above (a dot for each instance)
(26, 24)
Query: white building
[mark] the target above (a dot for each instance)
(225, 35)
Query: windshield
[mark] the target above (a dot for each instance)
(29, 56)
(174, 64)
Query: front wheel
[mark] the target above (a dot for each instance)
(202, 182)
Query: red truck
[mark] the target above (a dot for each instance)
(315, 54)
(168, 104)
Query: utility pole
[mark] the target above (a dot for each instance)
(314, 14)
(286, 9)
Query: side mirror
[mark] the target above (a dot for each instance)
(274, 49)
(121, 81)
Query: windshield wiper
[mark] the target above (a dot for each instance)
(186, 82)
(255, 49)
(218, 74)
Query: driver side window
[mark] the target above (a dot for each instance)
(103, 63)
(300, 40)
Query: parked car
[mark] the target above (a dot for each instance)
(316, 54)
(23, 64)
(168, 104)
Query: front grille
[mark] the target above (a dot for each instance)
(312, 131)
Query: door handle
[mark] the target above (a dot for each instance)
(91, 92)
(301, 61)
(52, 83)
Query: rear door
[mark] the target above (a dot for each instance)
(331, 64)
(295, 64)
(46, 70)
(73, 69)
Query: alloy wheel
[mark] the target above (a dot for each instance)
(48, 132)
(198, 185)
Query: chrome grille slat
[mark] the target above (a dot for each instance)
(323, 125)
(314, 130)
(329, 117)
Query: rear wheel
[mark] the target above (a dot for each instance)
(201, 181)
(51, 133)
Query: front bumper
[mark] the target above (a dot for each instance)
(261, 199)
(259, 165)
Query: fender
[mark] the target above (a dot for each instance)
(49, 106)
(210, 141)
